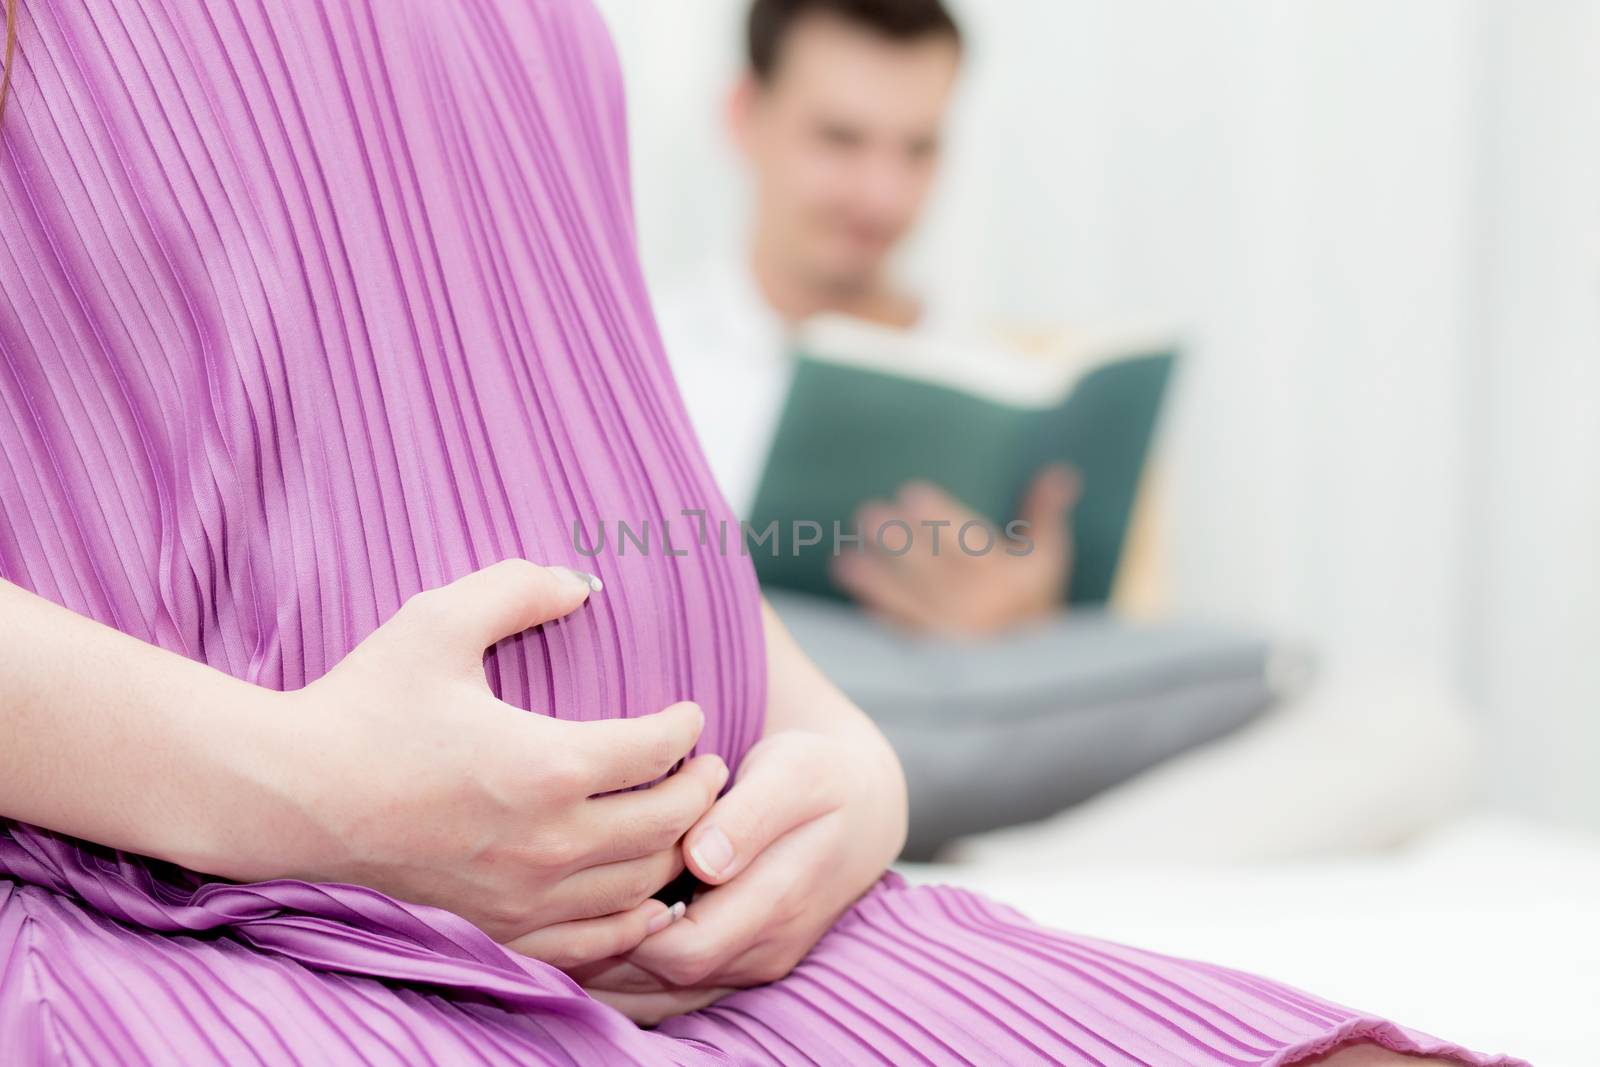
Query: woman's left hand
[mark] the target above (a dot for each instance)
(813, 819)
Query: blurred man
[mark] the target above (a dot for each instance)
(839, 117)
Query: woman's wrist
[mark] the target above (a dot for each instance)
(288, 775)
(800, 698)
(884, 803)
(236, 802)
(874, 800)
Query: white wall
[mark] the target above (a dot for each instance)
(1378, 224)
(1535, 645)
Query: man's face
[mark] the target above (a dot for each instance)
(843, 142)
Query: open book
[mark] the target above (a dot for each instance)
(870, 408)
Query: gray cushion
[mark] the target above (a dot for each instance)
(997, 732)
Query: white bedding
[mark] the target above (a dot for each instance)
(1486, 932)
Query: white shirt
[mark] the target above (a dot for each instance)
(731, 355)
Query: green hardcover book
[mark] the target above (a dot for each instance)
(869, 409)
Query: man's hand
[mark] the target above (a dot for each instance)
(950, 585)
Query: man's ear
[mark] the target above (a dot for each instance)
(740, 110)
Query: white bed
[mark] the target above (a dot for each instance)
(1486, 931)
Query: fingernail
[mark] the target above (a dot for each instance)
(712, 852)
(589, 581)
(677, 911)
(661, 920)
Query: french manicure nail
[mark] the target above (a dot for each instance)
(588, 581)
(661, 920)
(676, 912)
(713, 851)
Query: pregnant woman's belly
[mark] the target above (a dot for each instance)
(306, 307)
(349, 320)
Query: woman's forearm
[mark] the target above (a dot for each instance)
(800, 697)
(398, 769)
(114, 740)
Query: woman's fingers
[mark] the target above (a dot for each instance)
(468, 615)
(619, 753)
(587, 941)
(612, 887)
(648, 1009)
(725, 922)
(619, 975)
(718, 926)
(778, 789)
(641, 821)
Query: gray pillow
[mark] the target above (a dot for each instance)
(1008, 730)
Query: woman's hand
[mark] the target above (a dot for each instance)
(816, 814)
(808, 826)
(407, 775)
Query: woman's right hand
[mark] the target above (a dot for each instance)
(406, 774)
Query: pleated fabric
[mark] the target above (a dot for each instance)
(305, 306)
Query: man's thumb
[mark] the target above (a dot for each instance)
(1050, 499)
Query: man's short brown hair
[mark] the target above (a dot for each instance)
(898, 20)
